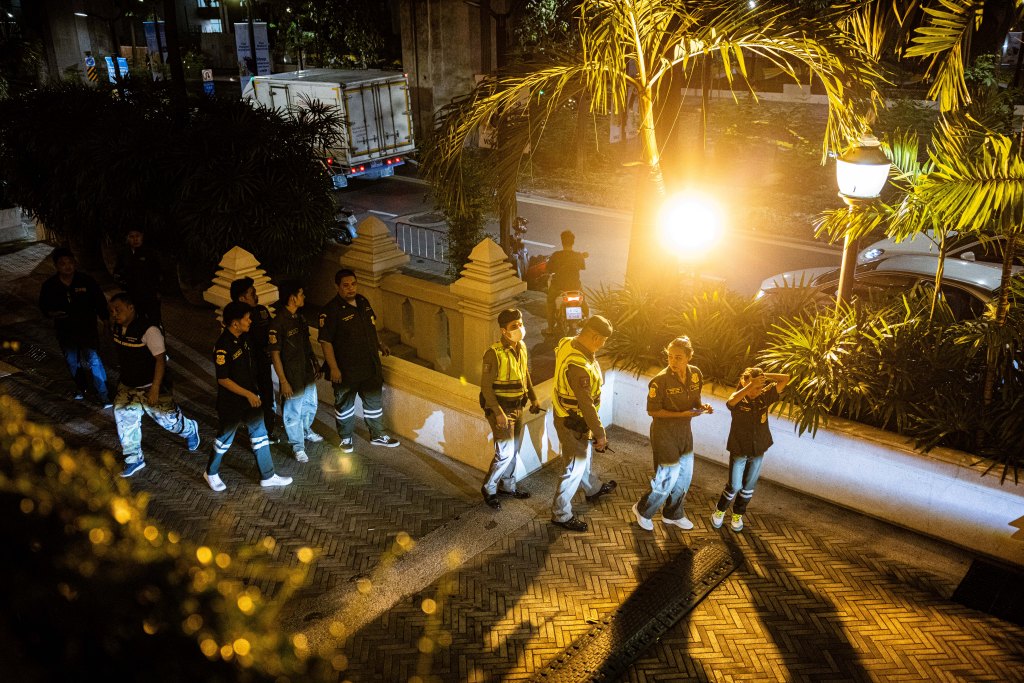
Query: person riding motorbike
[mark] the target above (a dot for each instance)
(564, 269)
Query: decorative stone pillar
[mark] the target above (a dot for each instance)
(488, 285)
(373, 254)
(239, 263)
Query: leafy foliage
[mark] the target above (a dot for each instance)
(199, 180)
(93, 584)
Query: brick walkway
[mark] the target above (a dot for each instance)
(825, 594)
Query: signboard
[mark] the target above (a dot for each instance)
(208, 81)
(156, 43)
(122, 66)
(90, 69)
(246, 69)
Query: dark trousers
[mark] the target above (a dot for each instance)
(265, 382)
(370, 391)
(229, 424)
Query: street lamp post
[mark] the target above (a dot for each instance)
(252, 37)
(861, 173)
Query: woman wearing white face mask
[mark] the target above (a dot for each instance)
(505, 389)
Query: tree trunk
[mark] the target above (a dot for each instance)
(1002, 311)
(583, 118)
(939, 271)
(648, 263)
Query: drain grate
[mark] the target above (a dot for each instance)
(655, 606)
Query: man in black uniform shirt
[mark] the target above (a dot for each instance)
(138, 271)
(244, 290)
(237, 400)
(74, 301)
(352, 350)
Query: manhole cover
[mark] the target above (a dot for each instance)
(429, 218)
(655, 606)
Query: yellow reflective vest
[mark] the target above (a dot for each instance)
(564, 399)
(510, 380)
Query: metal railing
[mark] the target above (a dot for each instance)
(422, 241)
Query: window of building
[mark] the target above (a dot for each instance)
(212, 26)
(208, 3)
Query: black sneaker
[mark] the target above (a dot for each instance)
(606, 487)
(518, 493)
(573, 524)
(384, 440)
(491, 499)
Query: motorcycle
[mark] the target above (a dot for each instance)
(533, 270)
(343, 231)
(571, 311)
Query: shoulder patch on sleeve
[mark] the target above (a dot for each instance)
(272, 336)
(221, 357)
(653, 393)
(323, 318)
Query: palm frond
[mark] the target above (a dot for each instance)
(945, 38)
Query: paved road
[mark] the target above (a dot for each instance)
(741, 259)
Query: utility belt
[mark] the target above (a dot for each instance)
(506, 404)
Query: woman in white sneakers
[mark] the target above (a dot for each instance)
(749, 438)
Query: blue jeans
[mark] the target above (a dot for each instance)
(297, 414)
(743, 473)
(370, 391)
(579, 451)
(668, 489)
(84, 358)
(253, 420)
(507, 443)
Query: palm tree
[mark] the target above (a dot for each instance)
(639, 49)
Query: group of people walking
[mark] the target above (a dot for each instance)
(254, 345)
(251, 348)
(673, 401)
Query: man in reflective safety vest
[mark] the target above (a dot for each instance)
(505, 389)
(575, 400)
(144, 387)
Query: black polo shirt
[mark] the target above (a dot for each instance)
(259, 334)
(233, 359)
(351, 329)
(74, 308)
(289, 335)
(749, 434)
(666, 391)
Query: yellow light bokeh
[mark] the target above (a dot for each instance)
(242, 647)
(428, 606)
(204, 554)
(305, 555)
(246, 604)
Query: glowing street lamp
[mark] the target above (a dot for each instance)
(861, 174)
(690, 226)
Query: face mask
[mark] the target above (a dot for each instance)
(515, 336)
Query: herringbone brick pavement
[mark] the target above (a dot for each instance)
(804, 607)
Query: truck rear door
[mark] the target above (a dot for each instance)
(379, 120)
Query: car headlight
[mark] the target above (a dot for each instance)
(871, 254)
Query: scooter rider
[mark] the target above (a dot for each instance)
(564, 268)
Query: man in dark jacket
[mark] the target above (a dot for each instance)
(137, 271)
(75, 301)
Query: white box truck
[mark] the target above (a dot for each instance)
(377, 132)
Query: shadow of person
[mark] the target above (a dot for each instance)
(804, 625)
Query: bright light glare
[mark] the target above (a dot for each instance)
(690, 225)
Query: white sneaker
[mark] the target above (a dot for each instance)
(717, 518)
(301, 456)
(683, 523)
(214, 481)
(644, 523)
(313, 437)
(276, 480)
(737, 523)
